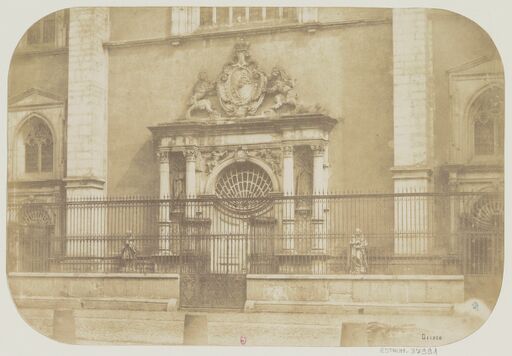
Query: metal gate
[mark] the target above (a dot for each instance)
(482, 236)
(29, 248)
(213, 266)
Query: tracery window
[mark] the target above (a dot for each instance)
(487, 113)
(38, 143)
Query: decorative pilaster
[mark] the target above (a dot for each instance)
(191, 155)
(165, 186)
(413, 128)
(318, 169)
(319, 204)
(164, 245)
(288, 203)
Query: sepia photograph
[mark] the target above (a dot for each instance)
(255, 176)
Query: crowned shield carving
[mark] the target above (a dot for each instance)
(241, 85)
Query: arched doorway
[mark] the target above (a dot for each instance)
(218, 244)
(34, 238)
(483, 234)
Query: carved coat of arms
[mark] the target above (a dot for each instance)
(241, 88)
(241, 85)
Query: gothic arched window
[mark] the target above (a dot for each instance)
(487, 113)
(38, 144)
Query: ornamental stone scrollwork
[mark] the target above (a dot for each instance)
(213, 158)
(199, 100)
(191, 154)
(272, 157)
(241, 85)
(287, 151)
(282, 86)
(318, 149)
(241, 155)
(163, 156)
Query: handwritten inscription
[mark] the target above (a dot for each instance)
(431, 337)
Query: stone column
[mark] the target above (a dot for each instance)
(87, 130)
(164, 245)
(288, 203)
(413, 129)
(319, 204)
(190, 180)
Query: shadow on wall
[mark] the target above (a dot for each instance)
(141, 176)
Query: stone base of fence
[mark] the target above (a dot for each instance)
(354, 293)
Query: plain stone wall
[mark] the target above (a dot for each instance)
(413, 105)
(64, 285)
(356, 289)
(337, 68)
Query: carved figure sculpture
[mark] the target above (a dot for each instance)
(128, 254)
(213, 159)
(282, 87)
(358, 259)
(199, 100)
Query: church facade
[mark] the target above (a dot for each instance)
(257, 143)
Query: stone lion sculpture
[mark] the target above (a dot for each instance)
(282, 86)
(199, 100)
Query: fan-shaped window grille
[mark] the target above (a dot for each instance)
(34, 216)
(243, 188)
(487, 215)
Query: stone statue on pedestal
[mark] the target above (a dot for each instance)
(358, 259)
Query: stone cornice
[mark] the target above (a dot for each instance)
(40, 52)
(84, 182)
(255, 124)
(246, 32)
(465, 168)
(411, 172)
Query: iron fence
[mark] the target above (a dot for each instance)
(405, 233)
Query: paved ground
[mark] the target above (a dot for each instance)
(263, 329)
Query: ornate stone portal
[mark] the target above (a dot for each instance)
(236, 148)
